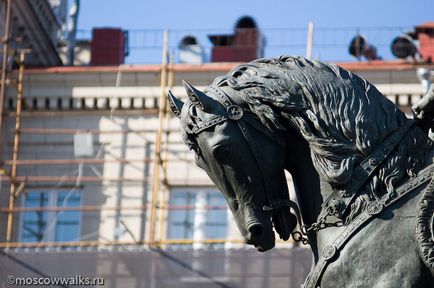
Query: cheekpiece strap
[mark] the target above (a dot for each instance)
(234, 112)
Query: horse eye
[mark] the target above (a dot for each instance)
(222, 152)
(235, 205)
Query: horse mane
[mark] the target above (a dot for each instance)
(341, 115)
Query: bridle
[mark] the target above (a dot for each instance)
(236, 114)
(336, 204)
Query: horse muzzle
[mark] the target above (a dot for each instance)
(263, 239)
(259, 233)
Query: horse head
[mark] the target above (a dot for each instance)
(315, 120)
(244, 162)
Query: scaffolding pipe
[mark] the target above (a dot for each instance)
(64, 209)
(157, 159)
(92, 208)
(309, 40)
(62, 131)
(78, 113)
(5, 42)
(167, 118)
(165, 192)
(115, 243)
(70, 179)
(32, 162)
(86, 208)
(72, 31)
(16, 148)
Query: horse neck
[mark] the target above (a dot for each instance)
(312, 190)
(309, 187)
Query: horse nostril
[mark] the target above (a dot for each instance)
(255, 232)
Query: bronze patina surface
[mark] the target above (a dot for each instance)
(359, 167)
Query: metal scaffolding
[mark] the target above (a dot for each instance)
(157, 204)
(13, 176)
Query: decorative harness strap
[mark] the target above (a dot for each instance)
(338, 202)
(330, 252)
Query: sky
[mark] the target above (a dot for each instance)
(335, 21)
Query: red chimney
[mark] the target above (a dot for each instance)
(107, 46)
(425, 35)
(246, 44)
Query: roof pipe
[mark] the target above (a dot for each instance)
(72, 30)
(424, 75)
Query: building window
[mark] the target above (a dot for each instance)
(181, 215)
(196, 214)
(46, 223)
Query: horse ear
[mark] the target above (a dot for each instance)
(175, 104)
(198, 98)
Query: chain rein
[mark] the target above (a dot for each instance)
(302, 234)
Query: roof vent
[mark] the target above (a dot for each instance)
(190, 51)
(246, 22)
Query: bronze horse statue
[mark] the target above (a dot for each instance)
(361, 169)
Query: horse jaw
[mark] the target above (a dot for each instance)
(284, 223)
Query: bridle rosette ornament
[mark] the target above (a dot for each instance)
(235, 112)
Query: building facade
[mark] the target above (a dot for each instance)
(87, 146)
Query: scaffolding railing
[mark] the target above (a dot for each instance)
(156, 207)
(328, 43)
